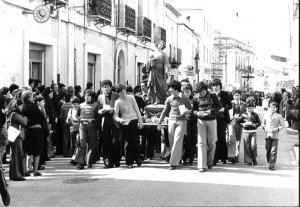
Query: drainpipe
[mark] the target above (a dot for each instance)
(58, 45)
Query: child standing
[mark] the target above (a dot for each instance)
(272, 124)
(250, 121)
(74, 130)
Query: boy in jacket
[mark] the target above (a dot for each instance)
(272, 124)
(250, 121)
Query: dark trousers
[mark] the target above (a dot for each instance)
(189, 142)
(3, 184)
(221, 152)
(44, 148)
(88, 151)
(148, 136)
(131, 145)
(271, 148)
(66, 140)
(16, 168)
(110, 146)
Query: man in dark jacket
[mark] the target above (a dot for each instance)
(223, 120)
(109, 142)
(205, 107)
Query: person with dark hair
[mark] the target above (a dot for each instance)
(177, 106)
(159, 66)
(61, 85)
(127, 113)
(205, 107)
(77, 93)
(34, 132)
(3, 142)
(109, 131)
(13, 87)
(31, 83)
(223, 120)
(74, 130)
(40, 101)
(234, 128)
(189, 142)
(250, 122)
(272, 124)
(51, 114)
(16, 167)
(89, 87)
(65, 108)
(87, 114)
(137, 90)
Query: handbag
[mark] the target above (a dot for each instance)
(12, 132)
(292, 114)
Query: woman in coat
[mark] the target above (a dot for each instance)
(16, 168)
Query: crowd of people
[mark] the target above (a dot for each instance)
(206, 122)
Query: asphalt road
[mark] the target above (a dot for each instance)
(153, 184)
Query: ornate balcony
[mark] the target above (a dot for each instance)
(57, 3)
(100, 11)
(159, 34)
(144, 29)
(126, 20)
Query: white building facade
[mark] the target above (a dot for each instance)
(81, 42)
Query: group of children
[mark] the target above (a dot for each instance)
(272, 123)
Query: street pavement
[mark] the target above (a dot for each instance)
(153, 184)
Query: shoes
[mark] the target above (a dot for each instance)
(210, 167)
(223, 161)
(80, 166)
(30, 171)
(117, 164)
(248, 164)
(5, 197)
(189, 164)
(271, 168)
(202, 170)
(90, 166)
(72, 162)
(254, 163)
(19, 179)
(130, 166)
(138, 162)
(173, 167)
(37, 174)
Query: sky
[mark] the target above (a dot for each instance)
(262, 23)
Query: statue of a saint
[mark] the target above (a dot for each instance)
(159, 67)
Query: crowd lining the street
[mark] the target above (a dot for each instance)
(206, 122)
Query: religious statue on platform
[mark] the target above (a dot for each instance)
(158, 66)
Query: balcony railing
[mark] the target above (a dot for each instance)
(126, 19)
(144, 28)
(100, 11)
